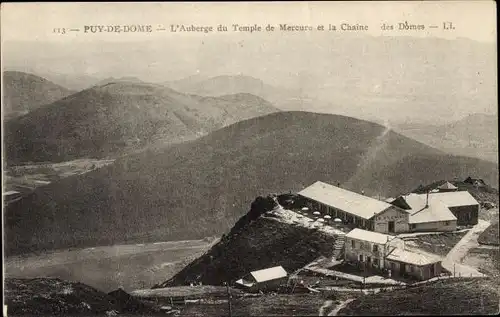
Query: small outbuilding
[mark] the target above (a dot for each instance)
(447, 187)
(10, 196)
(266, 279)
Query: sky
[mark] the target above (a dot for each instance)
(436, 71)
(35, 21)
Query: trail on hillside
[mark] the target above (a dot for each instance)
(370, 156)
(326, 304)
(339, 307)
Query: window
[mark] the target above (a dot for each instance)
(361, 258)
(376, 262)
(353, 243)
(447, 223)
(375, 248)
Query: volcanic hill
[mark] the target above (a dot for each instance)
(119, 118)
(23, 92)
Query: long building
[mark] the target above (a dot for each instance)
(439, 211)
(356, 209)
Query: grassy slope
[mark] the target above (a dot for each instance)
(23, 92)
(447, 297)
(46, 296)
(201, 188)
(490, 235)
(119, 117)
(276, 305)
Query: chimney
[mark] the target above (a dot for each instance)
(427, 200)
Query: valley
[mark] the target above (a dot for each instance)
(107, 268)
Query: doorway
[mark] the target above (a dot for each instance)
(391, 226)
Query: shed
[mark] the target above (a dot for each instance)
(11, 196)
(266, 279)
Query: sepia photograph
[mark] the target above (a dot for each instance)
(323, 158)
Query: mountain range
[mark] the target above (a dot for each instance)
(117, 117)
(475, 135)
(200, 188)
(403, 78)
(281, 97)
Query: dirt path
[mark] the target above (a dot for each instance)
(326, 304)
(468, 242)
(339, 307)
(453, 260)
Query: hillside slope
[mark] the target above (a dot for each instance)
(23, 92)
(120, 117)
(200, 188)
(257, 241)
(48, 296)
(463, 296)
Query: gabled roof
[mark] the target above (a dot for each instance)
(345, 200)
(370, 236)
(269, 274)
(401, 203)
(434, 212)
(455, 199)
(448, 185)
(406, 256)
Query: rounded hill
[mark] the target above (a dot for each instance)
(119, 117)
(24, 92)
